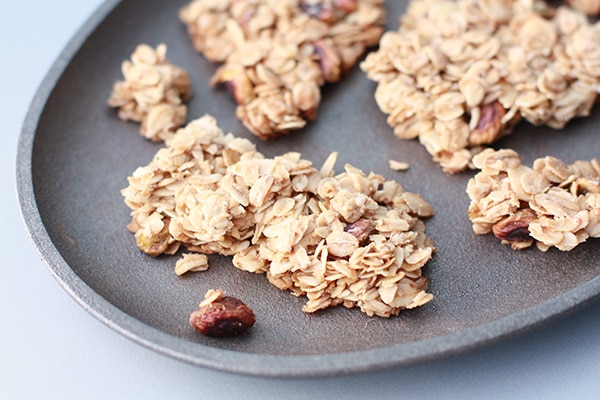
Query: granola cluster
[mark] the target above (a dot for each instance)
(276, 54)
(152, 93)
(551, 204)
(351, 238)
(458, 75)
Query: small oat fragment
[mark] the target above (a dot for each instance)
(222, 316)
(398, 165)
(191, 262)
(152, 93)
(551, 204)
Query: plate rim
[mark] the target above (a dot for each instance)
(242, 362)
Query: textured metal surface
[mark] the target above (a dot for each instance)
(75, 154)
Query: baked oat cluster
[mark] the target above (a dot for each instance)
(276, 54)
(351, 238)
(458, 75)
(550, 204)
(152, 93)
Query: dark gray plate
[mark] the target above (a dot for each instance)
(75, 154)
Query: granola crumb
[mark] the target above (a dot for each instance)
(398, 165)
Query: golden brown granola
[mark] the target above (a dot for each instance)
(152, 93)
(550, 204)
(277, 54)
(458, 75)
(352, 238)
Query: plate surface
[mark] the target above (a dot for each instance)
(75, 154)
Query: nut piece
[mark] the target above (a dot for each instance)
(154, 243)
(515, 228)
(328, 10)
(221, 316)
(489, 128)
(329, 61)
(360, 229)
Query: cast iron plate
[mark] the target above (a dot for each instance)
(75, 154)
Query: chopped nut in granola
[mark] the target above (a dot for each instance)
(398, 165)
(550, 204)
(590, 7)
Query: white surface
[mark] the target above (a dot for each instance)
(51, 348)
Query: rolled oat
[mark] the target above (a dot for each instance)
(398, 165)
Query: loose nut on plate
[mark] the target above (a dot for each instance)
(222, 316)
(310, 230)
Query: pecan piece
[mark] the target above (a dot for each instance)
(222, 316)
(489, 127)
(515, 228)
(329, 60)
(360, 229)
